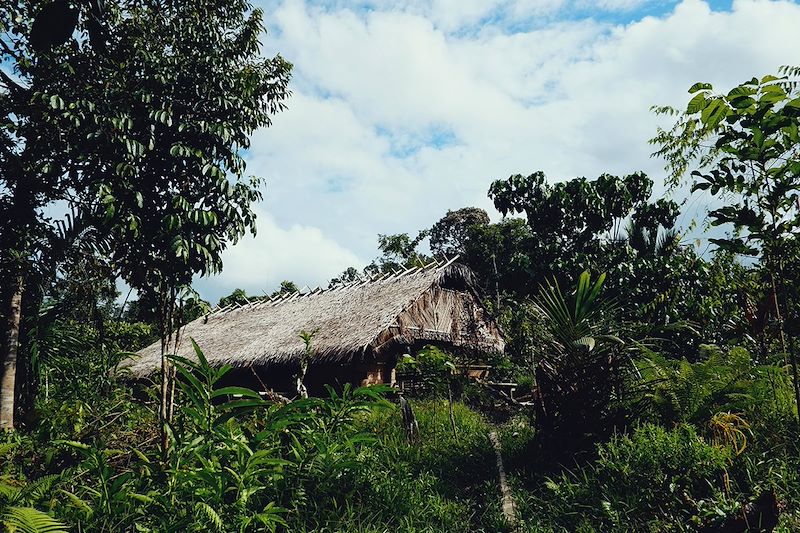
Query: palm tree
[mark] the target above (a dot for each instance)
(652, 243)
(579, 375)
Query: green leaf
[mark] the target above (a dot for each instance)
(197, 388)
(772, 94)
(741, 90)
(736, 246)
(78, 503)
(697, 103)
(234, 405)
(588, 342)
(793, 103)
(73, 444)
(200, 355)
(700, 87)
(202, 509)
(742, 102)
(235, 391)
(56, 102)
(713, 114)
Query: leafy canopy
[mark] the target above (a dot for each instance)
(743, 146)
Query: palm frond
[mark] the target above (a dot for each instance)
(572, 320)
(667, 242)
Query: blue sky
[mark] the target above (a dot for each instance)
(403, 109)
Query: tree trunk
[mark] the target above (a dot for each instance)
(162, 408)
(21, 219)
(8, 369)
(166, 303)
(777, 310)
(170, 334)
(784, 334)
(302, 391)
(795, 377)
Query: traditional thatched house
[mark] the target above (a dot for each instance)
(360, 329)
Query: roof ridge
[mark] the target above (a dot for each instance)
(274, 301)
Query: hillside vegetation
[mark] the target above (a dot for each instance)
(656, 385)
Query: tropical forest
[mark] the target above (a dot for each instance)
(613, 350)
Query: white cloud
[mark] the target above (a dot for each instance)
(397, 115)
(611, 5)
(299, 253)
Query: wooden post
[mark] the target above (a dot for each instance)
(409, 421)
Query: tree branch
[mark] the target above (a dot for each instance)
(7, 49)
(6, 80)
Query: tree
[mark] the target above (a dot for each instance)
(437, 371)
(35, 124)
(579, 225)
(308, 353)
(449, 235)
(195, 89)
(398, 252)
(237, 297)
(144, 139)
(287, 287)
(743, 146)
(349, 275)
(575, 223)
(501, 255)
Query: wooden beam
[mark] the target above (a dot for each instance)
(223, 309)
(450, 262)
(409, 271)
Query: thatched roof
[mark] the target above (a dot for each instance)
(350, 320)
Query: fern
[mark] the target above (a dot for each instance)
(30, 520)
(202, 509)
(39, 489)
(9, 491)
(6, 448)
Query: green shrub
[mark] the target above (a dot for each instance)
(726, 380)
(654, 478)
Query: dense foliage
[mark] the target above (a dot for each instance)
(137, 123)
(240, 463)
(647, 385)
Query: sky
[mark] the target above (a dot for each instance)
(403, 109)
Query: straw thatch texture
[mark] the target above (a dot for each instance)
(354, 323)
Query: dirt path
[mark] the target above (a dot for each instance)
(509, 510)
